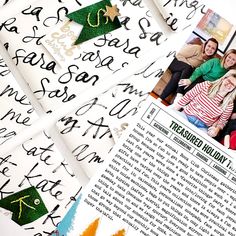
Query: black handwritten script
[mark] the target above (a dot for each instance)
(32, 33)
(34, 37)
(75, 73)
(87, 130)
(193, 6)
(16, 111)
(34, 59)
(56, 184)
(124, 46)
(9, 25)
(38, 11)
(53, 20)
(157, 36)
(135, 3)
(156, 68)
(4, 2)
(4, 71)
(33, 11)
(179, 13)
(151, 70)
(97, 58)
(126, 104)
(51, 92)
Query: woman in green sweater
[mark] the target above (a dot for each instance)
(210, 70)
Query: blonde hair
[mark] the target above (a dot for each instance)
(225, 55)
(215, 86)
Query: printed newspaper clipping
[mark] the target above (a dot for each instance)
(163, 178)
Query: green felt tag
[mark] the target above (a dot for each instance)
(26, 206)
(93, 21)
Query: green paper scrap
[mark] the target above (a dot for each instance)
(93, 21)
(26, 206)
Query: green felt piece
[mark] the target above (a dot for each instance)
(26, 205)
(93, 21)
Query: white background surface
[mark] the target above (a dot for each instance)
(226, 8)
(10, 228)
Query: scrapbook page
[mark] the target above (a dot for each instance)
(9, 227)
(41, 40)
(88, 138)
(169, 174)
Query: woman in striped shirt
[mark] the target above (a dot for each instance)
(209, 104)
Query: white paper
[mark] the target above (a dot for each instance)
(180, 14)
(16, 112)
(38, 163)
(89, 131)
(31, 76)
(158, 182)
(98, 58)
(9, 227)
(163, 177)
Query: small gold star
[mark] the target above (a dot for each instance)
(112, 12)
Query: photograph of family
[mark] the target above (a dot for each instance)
(200, 82)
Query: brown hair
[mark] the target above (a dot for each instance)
(214, 41)
(225, 55)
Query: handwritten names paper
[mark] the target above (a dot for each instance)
(38, 163)
(98, 58)
(88, 130)
(179, 14)
(16, 112)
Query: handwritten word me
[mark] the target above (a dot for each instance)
(19, 119)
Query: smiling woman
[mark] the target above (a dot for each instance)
(188, 58)
(210, 70)
(209, 104)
